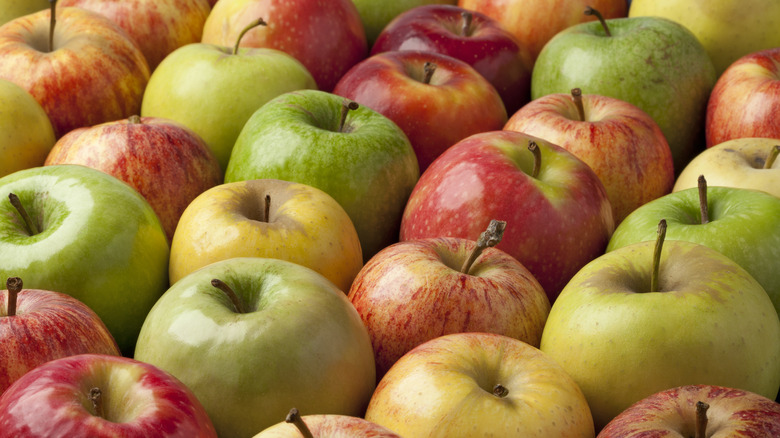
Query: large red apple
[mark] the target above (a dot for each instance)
(435, 99)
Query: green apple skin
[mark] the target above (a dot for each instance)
(711, 323)
(213, 92)
(302, 344)
(370, 169)
(26, 134)
(727, 29)
(10, 9)
(100, 242)
(653, 63)
(376, 14)
(743, 225)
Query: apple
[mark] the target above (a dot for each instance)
(157, 26)
(746, 99)
(471, 37)
(479, 384)
(252, 337)
(376, 14)
(327, 36)
(660, 314)
(662, 69)
(213, 90)
(10, 9)
(82, 232)
(98, 395)
(37, 326)
(748, 163)
(27, 135)
(619, 141)
(325, 425)
(699, 411)
(557, 212)
(435, 99)
(83, 71)
(267, 218)
(351, 152)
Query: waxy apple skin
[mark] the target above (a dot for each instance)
(27, 135)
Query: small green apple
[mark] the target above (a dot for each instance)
(26, 134)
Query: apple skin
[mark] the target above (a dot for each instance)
(556, 223)
(331, 426)
(445, 386)
(414, 291)
(710, 322)
(12, 9)
(456, 103)
(95, 73)
(305, 226)
(745, 101)
(168, 164)
(672, 412)
(100, 242)
(139, 400)
(27, 135)
(619, 141)
(486, 45)
(327, 36)
(376, 14)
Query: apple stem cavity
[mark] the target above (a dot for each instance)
(534, 148)
(705, 214)
(346, 107)
(52, 22)
(576, 95)
(428, 69)
(488, 239)
(294, 417)
(500, 391)
(659, 244)
(770, 159)
(252, 25)
(31, 226)
(701, 419)
(14, 286)
(221, 285)
(467, 18)
(591, 11)
(96, 397)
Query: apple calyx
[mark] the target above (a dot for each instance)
(770, 159)
(576, 95)
(659, 244)
(487, 239)
(467, 17)
(52, 22)
(14, 286)
(428, 69)
(294, 417)
(250, 26)
(592, 11)
(534, 148)
(500, 391)
(221, 285)
(346, 106)
(701, 419)
(705, 215)
(32, 227)
(96, 397)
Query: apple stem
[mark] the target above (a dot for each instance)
(346, 107)
(576, 94)
(134, 119)
(221, 285)
(770, 159)
(591, 11)
(96, 396)
(701, 419)
(267, 212)
(52, 22)
(14, 286)
(534, 148)
(252, 25)
(294, 417)
(31, 226)
(467, 18)
(487, 239)
(659, 244)
(705, 215)
(428, 68)
(500, 391)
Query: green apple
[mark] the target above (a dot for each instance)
(358, 156)
(89, 235)
(376, 14)
(624, 333)
(653, 63)
(10, 9)
(267, 218)
(26, 134)
(287, 338)
(727, 29)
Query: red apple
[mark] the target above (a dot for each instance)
(435, 99)
(557, 211)
(326, 36)
(164, 161)
(619, 141)
(472, 37)
(745, 101)
(101, 396)
(325, 425)
(37, 326)
(92, 73)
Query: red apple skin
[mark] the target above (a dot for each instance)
(555, 223)
(47, 325)
(745, 101)
(164, 161)
(329, 425)
(485, 45)
(157, 26)
(672, 413)
(619, 141)
(96, 74)
(326, 36)
(52, 401)
(413, 291)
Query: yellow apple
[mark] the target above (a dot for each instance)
(26, 134)
(10, 9)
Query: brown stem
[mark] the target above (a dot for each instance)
(96, 397)
(488, 239)
(500, 391)
(591, 11)
(467, 16)
(534, 148)
(428, 68)
(221, 285)
(294, 417)
(705, 214)
(252, 25)
(701, 419)
(267, 212)
(134, 119)
(659, 244)
(31, 226)
(14, 286)
(52, 22)
(770, 159)
(576, 94)
(346, 107)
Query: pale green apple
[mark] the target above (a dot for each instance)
(10, 9)
(26, 134)
(376, 14)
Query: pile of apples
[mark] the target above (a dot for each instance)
(417, 218)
